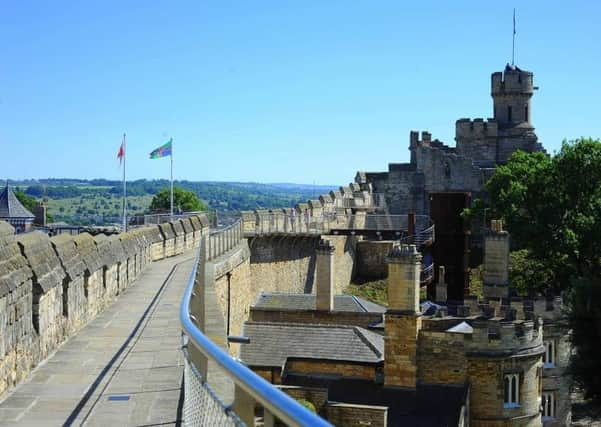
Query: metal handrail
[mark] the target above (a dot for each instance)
(275, 401)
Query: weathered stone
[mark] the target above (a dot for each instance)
(93, 277)
(169, 239)
(74, 299)
(16, 326)
(47, 299)
(180, 237)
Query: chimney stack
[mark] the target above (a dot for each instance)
(324, 276)
(402, 320)
(40, 214)
(496, 261)
(441, 287)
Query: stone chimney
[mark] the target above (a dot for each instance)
(402, 320)
(496, 261)
(440, 292)
(324, 276)
(40, 214)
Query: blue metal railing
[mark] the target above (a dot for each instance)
(273, 400)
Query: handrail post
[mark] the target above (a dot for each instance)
(244, 406)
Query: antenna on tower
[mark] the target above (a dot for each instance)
(513, 44)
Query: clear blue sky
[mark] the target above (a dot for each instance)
(275, 91)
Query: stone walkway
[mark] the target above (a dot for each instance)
(123, 368)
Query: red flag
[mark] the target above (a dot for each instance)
(121, 153)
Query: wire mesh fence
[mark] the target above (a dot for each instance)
(202, 407)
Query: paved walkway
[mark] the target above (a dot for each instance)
(124, 368)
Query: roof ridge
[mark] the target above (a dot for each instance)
(359, 331)
(300, 325)
(356, 299)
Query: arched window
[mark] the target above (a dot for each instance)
(511, 390)
(549, 355)
(548, 404)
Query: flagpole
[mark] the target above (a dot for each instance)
(124, 188)
(171, 178)
(513, 41)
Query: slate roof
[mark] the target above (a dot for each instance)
(11, 207)
(284, 301)
(272, 343)
(425, 406)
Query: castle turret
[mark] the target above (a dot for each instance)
(403, 318)
(504, 368)
(511, 91)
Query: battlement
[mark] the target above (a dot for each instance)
(500, 336)
(512, 81)
(516, 308)
(476, 128)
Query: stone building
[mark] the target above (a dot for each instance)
(480, 145)
(13, 211)
(498, 361)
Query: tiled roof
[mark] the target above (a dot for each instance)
(283, 301)
(272, 343)
(11, 207)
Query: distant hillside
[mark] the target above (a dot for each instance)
(98, 201)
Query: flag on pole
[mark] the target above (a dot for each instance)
(121, 153)
(163, 151)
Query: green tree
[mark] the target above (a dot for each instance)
(31, 204)
(552, 207)
(183, 200)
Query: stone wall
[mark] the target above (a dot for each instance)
(371, 258)
(287, 264)
(17, 335)
(344, 414)
(441, 358)
(50, 288)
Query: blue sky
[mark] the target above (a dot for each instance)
(282, 91)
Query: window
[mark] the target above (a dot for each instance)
(548, 405)
(511, 390)
(526, 113)
(549, 355)
(509, 113)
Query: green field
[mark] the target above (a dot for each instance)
(101, 209)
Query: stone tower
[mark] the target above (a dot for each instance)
(512, 91)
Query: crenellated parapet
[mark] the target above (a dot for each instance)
(496, 337)
(51, 287)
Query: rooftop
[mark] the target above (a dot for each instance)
(11, 207)
(425, 406)
(272, 343)
(343, 303)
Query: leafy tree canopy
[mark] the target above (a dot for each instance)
(552, 207)
(183, 200)
(30, 204)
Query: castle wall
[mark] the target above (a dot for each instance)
(371, 258)
(441, 358)
(50, 288)
(287, 264)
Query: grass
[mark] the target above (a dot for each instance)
(371, 290)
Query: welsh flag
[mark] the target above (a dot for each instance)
(163, 151)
